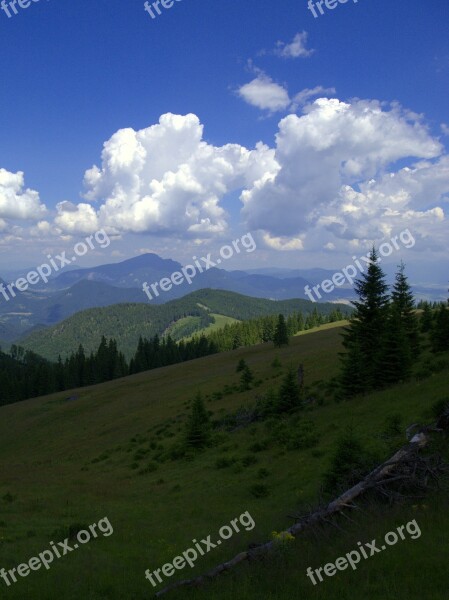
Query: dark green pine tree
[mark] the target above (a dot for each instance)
(281, 333)
(397, 357)
(367, 327)
(246, 379)
(426, 321)
(241, 365)
(404, 304)
(352, 378)
(268, 330)
(289, 397)
(439, 335)
(198, 425)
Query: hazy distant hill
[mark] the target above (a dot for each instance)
(132, 273)
(31, 309)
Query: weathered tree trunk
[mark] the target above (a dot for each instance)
(343, 501)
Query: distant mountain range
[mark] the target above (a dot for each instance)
(132, 273)
(75, 290)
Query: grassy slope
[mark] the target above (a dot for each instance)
(46, 450)
(220, 322)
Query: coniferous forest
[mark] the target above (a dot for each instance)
(25, 374)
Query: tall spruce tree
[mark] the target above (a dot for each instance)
(352, 379)
(426, 320)
(397, 355)
(246, 379)
(404, 308)
(281, 333)
(367, 328)
(440, 332)
(198, 425)
(289, 397)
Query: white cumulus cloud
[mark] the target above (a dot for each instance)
(16, 201)
(262, 92)
(165, 180)
(326, 159)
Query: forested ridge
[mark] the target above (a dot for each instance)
(127, 322)
(25, 374)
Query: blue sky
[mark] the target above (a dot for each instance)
(355, 160)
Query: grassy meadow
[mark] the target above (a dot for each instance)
(106, 453)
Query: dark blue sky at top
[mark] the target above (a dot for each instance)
(75, 71)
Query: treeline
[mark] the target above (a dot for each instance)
(24, 374)
(262, 329)
(383, 341)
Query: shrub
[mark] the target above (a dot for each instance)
(262, 473)
(140, 454)
(318, 453)
(289, 397)
(74, 528)
(440, 407)
(259, 490)
(249, 460)
(150, 468)
(198, 425)
(241, 366)
(225, 461)
(259, 446)
(246, 379)
(176, 452)
(276, 364)
(349, 464)
(298, 435)
(393, 425)
(101, 457)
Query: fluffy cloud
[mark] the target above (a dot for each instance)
(76, 219)
(328, 183)
(164, 179)
(17, 202)
(301, 97)
(296, 48)
(282, 243)
(262, 92)
(406, 198)
(326, 158)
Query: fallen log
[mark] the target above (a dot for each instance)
(378, 475)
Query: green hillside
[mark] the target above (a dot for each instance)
(181, 318)
(108, 452)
